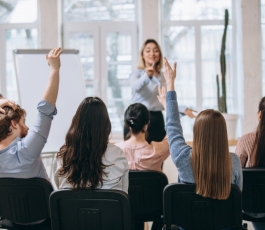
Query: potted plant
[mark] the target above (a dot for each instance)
(231, 119)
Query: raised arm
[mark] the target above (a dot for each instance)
(34, 142)
(179, 150)
(51, 91)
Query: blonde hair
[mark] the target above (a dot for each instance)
(211, 161)
(141, 63)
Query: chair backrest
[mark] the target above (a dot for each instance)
(253, 193)
(100, 209)
(184, 208)
(146, 192)
(24, 200)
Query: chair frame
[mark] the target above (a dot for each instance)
(86, 194)
(191, 188)
(247, 202)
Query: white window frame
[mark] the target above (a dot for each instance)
(3, 28)
(99, 30)
(197, 24)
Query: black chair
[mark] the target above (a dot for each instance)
(253, 193)
(25, 201)
(183, 207)
(100, 209)
(146, 192)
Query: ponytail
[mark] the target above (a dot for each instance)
(136, 117)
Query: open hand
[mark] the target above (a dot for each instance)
(170, 74)
(5, 102)
(162, 95)
(53, 58)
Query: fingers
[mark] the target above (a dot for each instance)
(5, 102)
(58, 51)
(159, 91)
(2, 111)
(163, 90)
(175, 67)
(55, 52)
(12, 105)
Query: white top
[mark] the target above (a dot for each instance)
(117, 171)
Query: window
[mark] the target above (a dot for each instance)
(18, 28)
(105, 34)
(192, 36)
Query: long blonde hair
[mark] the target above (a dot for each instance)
(141, 63)
(211, 161)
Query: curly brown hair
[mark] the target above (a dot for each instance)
(5, 120)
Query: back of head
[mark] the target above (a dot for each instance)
(210, 157)
(258, 159)
(136, 117)
(85, 144)
(5, 120)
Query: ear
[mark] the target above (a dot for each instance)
(14, 124)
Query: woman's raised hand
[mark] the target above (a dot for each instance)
(53, 58)
(170, 74)
(162, 95)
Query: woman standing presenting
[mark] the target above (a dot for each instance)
(145, 82)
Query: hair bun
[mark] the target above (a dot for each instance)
(131, 121)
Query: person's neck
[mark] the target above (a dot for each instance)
(137, 139)
(7, 141)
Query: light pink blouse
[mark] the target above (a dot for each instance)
(146, 156)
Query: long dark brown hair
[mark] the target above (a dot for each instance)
(85, 144)
(258, 159)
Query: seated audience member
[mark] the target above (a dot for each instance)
(209, 163)
(251, 151)
(140, 154)
(87, 159)
(20, 150)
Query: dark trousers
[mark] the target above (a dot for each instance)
(156, 130)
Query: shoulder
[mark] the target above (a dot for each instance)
(115, 155)
(235, 160)
(121, 145)
(248, 137)
(114, 151)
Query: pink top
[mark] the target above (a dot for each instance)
(244, 149)
(146, 156)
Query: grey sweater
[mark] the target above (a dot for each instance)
(180, 151)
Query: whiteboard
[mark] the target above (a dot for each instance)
(32, 72)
